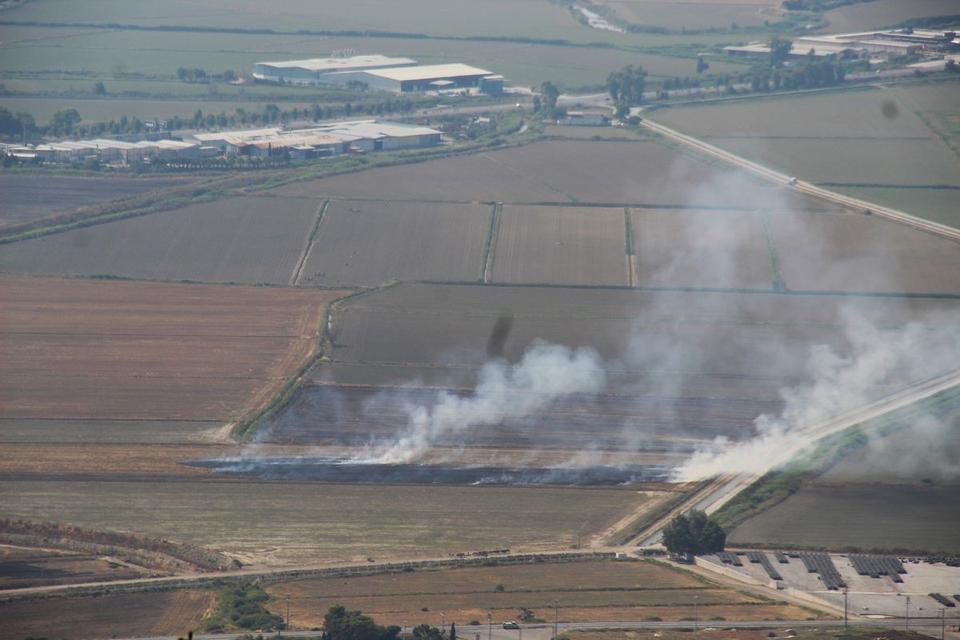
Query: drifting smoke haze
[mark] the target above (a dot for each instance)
(879, 359)
(677, 348)
(546, 373)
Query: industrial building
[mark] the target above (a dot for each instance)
(434, 77)
(891, 42)
(382, 73)
(108, 151)
(324, 70)
(325, 140)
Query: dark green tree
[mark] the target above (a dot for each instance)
(64, 121)
(453, 631)
(426, 632)
(99, 89)
(626, 88)
(341, 624)
(694, 533)
(702, 65)
(549, 96)
(779, 51)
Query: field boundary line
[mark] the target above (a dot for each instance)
(632, 275)
(490, 247)
(778, 284)
(308, 245)
(807, 188)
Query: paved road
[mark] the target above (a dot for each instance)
(725, 488)
(801, 186)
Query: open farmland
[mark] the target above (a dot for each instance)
(31, 196)
(561, 245)
(686, 15)
(21, 567)
(862, 253)
(586, 590)
(362, 243)
(101, 351)
(249, 240)
(858, 516)
(681, 367)
(325, 522)
(618, 173)
(885, 13)
(906, 158)
(168, 613)
(676, 248)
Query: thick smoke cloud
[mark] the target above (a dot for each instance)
(879, 360)
(546, 373)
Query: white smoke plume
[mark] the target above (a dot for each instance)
(545, 373)
(879, 360)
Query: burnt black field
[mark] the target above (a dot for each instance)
(338, 470)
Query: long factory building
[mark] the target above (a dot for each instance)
(383, 73)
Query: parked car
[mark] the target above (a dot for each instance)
(511, 625)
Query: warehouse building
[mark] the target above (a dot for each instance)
(317, 71)
(433, 77)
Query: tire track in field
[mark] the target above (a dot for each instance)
(308, 245)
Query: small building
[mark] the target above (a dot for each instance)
(585, 119)
(492, 85)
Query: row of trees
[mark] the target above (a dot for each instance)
(626, 88)
(197, 74)
(68, 122)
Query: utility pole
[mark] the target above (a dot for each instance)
(906, 624)
(943, 622)
(443, 620)
(556, 617)
(845, 591)
(287, 619)
(489, 626)
(695, 614)
(519, 632)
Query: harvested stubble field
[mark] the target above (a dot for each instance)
(855, 252)
(844, 140)
(574, 171)
(723, 249)
(84, 55)
(561, 245)
(362, 243)
(860, 516)
(168, 613)
(21, 567)
(249, 240)
(293, 524)
(885, 13)
(98, 350)
(30, 196)
(687, 15)
(716, 631)
(592, 590)
(681, 367)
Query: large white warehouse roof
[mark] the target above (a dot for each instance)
(428, 72)
(326, 65)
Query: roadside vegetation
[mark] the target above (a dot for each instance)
(243, 608)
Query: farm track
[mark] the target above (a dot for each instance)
(308, 244)
(802, 187)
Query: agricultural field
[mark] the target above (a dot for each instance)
(860, 516)
(681, 367)
(21, 567)
(168, 613)
(586, 590)
(559, 171)
(885, 13)
(859, 253)
(713, 631)
(561, 245)
(897, 145)
(29, 197)
(325, 522)
(362, 243)
(687, 248)
(83, 350)
(685, 15)
(250, 240)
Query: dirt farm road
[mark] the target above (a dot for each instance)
(542, 631)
